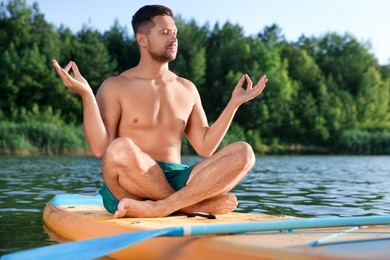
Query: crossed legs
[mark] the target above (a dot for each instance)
(132, 176)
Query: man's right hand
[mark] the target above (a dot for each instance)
(78, 83)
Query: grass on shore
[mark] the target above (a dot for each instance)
(36, 138)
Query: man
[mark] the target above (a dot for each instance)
(136, 124)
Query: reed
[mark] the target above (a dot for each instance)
(31, 138)
(362, 141)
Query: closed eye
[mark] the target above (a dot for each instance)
(167, 31)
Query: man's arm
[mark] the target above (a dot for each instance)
(205, 139)
(96, 133)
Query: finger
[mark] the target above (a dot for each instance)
(259, 87)
(75, 68)
(249, 82)
(56, 65)
(61, 72)
(54, 61)
(240, 82)
(67, 68)
(64, 75)
(263, 79)
(261, 84)
(66, 78)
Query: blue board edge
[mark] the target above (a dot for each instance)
(77, 199)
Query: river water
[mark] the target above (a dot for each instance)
(320, 186)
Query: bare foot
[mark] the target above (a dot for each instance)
(221, 204)
(139, 209)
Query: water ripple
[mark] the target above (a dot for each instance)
(277, 185)
(317, 186)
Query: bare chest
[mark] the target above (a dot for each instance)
(156, 108)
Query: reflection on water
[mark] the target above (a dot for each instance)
(28, 183)
(280, 185)
(317, 186)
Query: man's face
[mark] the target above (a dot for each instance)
(162, 39)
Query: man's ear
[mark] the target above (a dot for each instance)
(141, 39)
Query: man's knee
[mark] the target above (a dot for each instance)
(120, 151)
(245, 154)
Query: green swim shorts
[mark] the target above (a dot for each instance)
(175, 173)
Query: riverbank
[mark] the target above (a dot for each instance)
(45, 138)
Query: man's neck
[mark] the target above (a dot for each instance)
(152, 69)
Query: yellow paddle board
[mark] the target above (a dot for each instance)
(74, 217)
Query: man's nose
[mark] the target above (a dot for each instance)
(173, 38)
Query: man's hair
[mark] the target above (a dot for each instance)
(143, 18)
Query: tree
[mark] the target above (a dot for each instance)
(93, 58)
(29, 43)
(311, 105)
(373, 99)
(121, 47)
(343, 57)
(227, 53)
(266, 50)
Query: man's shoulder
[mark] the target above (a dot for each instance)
(118, 80)
(114, 86)
(123, 79)
(186, 83)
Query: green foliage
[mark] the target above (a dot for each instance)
(93, 58)
(235, 133)
(34, 115)
(343, 57)
(191, 59)
(41, 138)
(322, 92)
(364, 141)
(226, 62)
(373, 99)
(122, 49)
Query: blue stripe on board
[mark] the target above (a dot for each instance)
(77, 199)
(382, 242)
(290, 224)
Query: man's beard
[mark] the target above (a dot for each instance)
(162, 57)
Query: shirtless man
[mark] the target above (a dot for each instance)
(136, 124)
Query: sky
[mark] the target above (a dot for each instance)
(366, 20)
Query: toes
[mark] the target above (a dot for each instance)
(232, 199)
(120, 213)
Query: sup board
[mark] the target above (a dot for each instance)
(72, 217)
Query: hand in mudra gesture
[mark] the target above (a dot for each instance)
(241, 95)
(76, 83)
